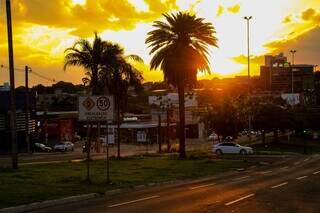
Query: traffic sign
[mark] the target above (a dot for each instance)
(96, 108)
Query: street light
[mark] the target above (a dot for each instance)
(293, 52)
(248, 18)
(248, 43)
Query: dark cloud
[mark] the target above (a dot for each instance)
(307, 45)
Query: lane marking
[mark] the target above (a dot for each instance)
(241, 178)
(306, 159)
(286, 167)
(133, 201)
(266, 172)
(302, 177)
(316, 172)
(279, 185)
(202, 186)
(240, 199)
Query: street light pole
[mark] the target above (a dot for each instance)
(293, 52)
(248, 18)
(14, 153)
(248, 43)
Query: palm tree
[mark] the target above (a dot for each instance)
(116, 76)
(88, 56)
(180, 47)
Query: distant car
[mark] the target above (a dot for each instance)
(231, 148)
(213, 136)
(77, 137)
(39, 147)
(64, 146)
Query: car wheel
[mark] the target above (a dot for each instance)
(219, 152)
(243, 152)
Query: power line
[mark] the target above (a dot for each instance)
(32, 72)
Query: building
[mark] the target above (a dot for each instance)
(5, 107)
(278, 75)
(51, 101)
(159, 105)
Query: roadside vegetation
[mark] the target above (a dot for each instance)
(34, 183)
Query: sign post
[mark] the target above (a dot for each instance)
(97, 109)
(107, 141)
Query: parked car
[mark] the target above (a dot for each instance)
(64, 146)
(39, 147)
(231, 148)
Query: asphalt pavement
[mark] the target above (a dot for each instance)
(292, 185)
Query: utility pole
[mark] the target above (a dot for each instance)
(27, 109)
(159, 131)
(168, 129)
(293, 52)
(14, 145)
(248, 18)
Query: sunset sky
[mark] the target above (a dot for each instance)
(44, 28)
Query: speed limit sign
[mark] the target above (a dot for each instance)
(103, 103)
(96, 108)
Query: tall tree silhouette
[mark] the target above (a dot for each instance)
(89, 56)
(180, 48)
(116, 76)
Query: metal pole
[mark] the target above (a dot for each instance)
(27, 109)
(248, 42)
(14, 145)
(159, 132)
(108, 161)
(292, 76)
(248, 48)
(168, 130)
(249, 84)
(88, 147)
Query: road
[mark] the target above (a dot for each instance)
(288, 186)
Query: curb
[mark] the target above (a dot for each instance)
(49, 203)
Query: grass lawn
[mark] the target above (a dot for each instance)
(295, 145)
(35, 183)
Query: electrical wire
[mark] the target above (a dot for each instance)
(31, 71)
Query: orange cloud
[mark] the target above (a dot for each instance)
(94, 15)
(220, 10)
(234, 9)
(287, 19)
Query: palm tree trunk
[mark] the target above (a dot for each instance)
(182, 149)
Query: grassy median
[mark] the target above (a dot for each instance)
(35, 183)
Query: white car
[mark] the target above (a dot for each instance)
(64, 146)
(231, 148)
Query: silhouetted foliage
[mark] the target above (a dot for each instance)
(180, 48)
